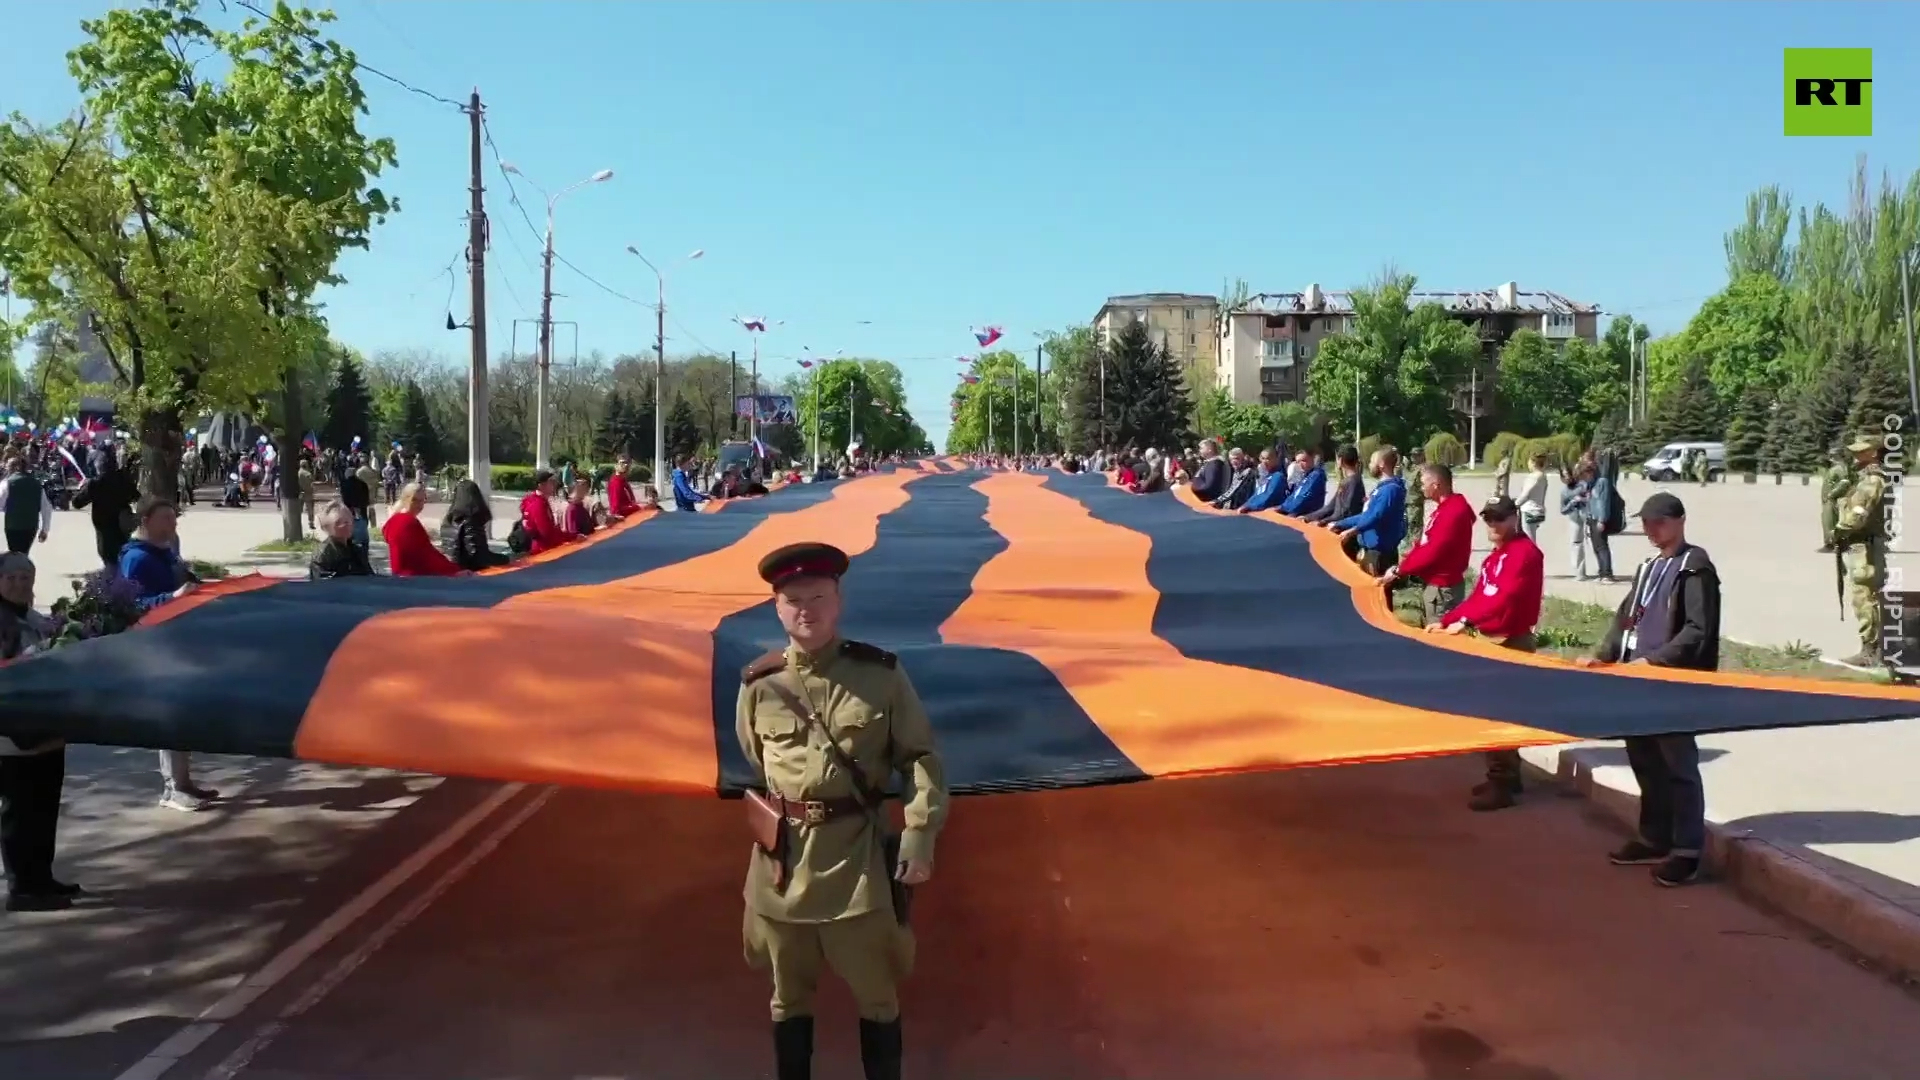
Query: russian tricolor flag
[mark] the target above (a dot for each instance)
(969, 379)
(987, 336)
(755, 325)
(760, 448)
(806, 363)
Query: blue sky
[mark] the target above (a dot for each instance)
(929, 167)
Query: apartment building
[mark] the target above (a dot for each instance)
(1187, 325)
(1268, 344)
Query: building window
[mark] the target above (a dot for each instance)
(1139, 314)
(1193, 339)
(1276, 353)
(1189, 313)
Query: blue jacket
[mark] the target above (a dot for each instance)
(1598, 496)
(1308, 495)
(1267, 492)
(1573, 499)
(153, 569)
(1382, 523)
(684, 497)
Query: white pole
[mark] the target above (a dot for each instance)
(1356, 408)
(1473, 422)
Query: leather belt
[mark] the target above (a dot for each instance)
(814, 811)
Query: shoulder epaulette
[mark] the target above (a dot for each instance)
(860, 650)
(766, 664)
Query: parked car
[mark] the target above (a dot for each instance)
(1671, 461)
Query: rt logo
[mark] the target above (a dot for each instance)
(1829, 92)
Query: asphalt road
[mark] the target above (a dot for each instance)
(1347, 922)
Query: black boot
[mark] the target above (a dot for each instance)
(793, 1048)
(880, 1050)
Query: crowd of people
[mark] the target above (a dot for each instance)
(1406, 526)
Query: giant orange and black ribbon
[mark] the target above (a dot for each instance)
(1060, 632)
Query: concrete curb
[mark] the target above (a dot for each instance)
(1775, 874)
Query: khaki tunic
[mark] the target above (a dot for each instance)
(871, 709)
(1860, 533)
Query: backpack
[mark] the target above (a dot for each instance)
(1616, 511)
(518, 541)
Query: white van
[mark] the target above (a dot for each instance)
(1670, 463)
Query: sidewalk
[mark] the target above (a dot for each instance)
(1821, 823)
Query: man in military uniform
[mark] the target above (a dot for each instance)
(1859, 532)
(1702, 468)
(1416, 501)
(826, 723)
(1834, 485)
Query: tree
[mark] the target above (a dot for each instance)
(1411, 364)
(192, 220)
(1776, 451)
(1742, 332)
(1821, 413)
(1690, 409)
(1068, 354)
(1146, 404)
(1747, 431)
(1759, 244)
(683, 429)
(1881, 403)
(349, 406)
(417, 432)
(614, 434)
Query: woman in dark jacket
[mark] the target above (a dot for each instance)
(339, 554)
(463, 532)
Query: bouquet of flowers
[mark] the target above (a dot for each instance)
(102, 603)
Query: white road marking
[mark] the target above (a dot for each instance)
(188, 1039)
(243, 1055)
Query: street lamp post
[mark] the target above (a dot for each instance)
(541, 428)
(661, 484)
(755, 326)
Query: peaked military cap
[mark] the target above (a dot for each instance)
(803, 560)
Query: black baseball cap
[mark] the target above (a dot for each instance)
(1662, 506)
(1499, 508)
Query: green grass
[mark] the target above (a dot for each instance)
(1571, 628)
(303, 546)
(209, 571)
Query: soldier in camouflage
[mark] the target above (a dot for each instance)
(1860, 535)
(1835, 482)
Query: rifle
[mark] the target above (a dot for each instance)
(1840, 579)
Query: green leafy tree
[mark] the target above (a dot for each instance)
(194, 206)
(1411, 364)
(991, 399)
(1759, 244)
(349, 407)
(854, 398)
(1747, 431)
(683, 428)
(1743, 333)
(417, 431)
(1068, 354)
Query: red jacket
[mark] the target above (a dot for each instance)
(620, 501)
(1506, 599)
(1440, 558)
(410, 552)
(536, 515)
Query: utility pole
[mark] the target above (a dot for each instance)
(1473, 420)
(753, 389)
(1103, 400)
(733, 397)
(1039, 392)
(541, 433)
(1016, 413)
(1356, 409)
(989, 421)
(816, 421)
(479, 456)
(662, 471)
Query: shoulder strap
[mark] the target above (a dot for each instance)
(864, 792)
(763, 665)
(872, 654)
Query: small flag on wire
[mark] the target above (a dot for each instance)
(806, 363)
(986, 336)
(754, 325)
(964, 359)
(969, 379)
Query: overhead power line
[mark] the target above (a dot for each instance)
(358, 64)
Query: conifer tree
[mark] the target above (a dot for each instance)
(417, 432)
(1689, 411)
(349, 407)
(683, 428)
(1880, 403)
(1747, 431)
(1782, 419)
